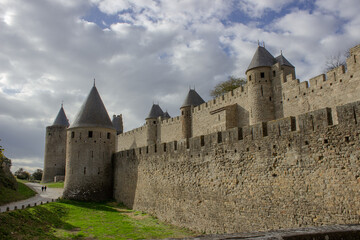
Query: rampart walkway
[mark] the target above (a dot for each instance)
(51, 194)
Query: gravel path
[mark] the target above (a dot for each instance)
(51, 194)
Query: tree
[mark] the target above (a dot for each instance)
(337, 60)
(37, 175)
(227, 86)
(22, 174)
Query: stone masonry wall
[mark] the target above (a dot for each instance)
(337, 87)
(132, 139)
(266, 176)
(170, 129)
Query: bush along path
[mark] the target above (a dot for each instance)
(41, 197)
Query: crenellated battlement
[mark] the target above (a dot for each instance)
(308, 123)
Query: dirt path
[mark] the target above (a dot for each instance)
(51, 194)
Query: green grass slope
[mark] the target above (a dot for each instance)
(81, 220)
(8, 195)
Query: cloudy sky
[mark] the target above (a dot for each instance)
(145, 51)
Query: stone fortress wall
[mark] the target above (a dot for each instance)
(335, 88)
(291, 172)
(245, 168)
(288, 95)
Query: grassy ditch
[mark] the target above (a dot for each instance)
(10, 195)
(81, 220)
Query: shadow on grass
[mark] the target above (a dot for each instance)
(36, 222)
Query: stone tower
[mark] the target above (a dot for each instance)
(192, 100)
(152, 123)
(118, 124)
(259, 75)
(90, 145)
(55, 148)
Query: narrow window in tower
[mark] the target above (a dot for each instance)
(84, 170)
(100, 135)
(250, 78)
(182, 112)
(262, 74)
(49, 134)
(354, 58)
(262, 91)
(72, 134)
(175, 145)
(164, 147)
(202, 140)
(80, 135)
(219, 137)
(90, 134)
(334, 76)
(274, 74)
(108, 135)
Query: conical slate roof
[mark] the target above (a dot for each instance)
(61, 119)
(261, 58)
(92, 113)
(155, 112)
(283, 61)
(166, 115)
(192, 99)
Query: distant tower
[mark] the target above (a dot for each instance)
(118, 124)
(90, 145)
(192, 100)
(259, 76)
(55, 148)
(152, 123)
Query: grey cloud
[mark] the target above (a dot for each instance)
(49, 54)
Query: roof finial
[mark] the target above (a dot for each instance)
(281, 52)
(258, 42)
(194, 87)
(94, 82)
(62, 103)
(264, 44)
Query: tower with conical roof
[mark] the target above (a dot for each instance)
(90, 145)
(55, 148)
(265, 76)
(259, 75)
(152, 122)
(192, 100)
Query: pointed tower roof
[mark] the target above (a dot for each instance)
(166, 115)
(93, 112)
(155, 112)
(61, 119)
(192, 99)
(261, 58)
(283, 61)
